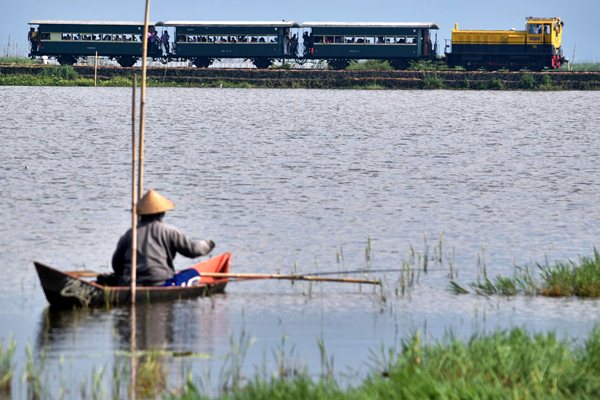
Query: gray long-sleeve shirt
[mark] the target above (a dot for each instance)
(157, 245)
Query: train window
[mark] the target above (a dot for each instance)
(410, 40)
(349, 39)
(370, 40)
(66, 36)
(45, 36)
(360, 40)
(318, 39)
(127, 38)
(339, 39)
(547, 29)
(76, 36)
(535, 29)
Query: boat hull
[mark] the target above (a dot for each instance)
(71, 289)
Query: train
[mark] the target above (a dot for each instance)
(201, 43)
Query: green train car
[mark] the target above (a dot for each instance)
(202, 42)
(340, 43)
(68, 40)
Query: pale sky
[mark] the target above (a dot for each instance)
(580, 16)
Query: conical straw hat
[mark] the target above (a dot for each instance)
(154, 203)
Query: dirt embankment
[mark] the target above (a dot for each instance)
(284, 78)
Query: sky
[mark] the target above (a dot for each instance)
(580, 37)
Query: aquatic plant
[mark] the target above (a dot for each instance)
(231, 373)
(33, 374)
(7, 366)
(568, 278)
(151, 376)
(562, 278)
(327, 363)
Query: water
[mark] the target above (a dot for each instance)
(290, 179)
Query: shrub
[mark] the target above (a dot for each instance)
(433, 82)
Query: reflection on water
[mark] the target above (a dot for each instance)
(296, 179)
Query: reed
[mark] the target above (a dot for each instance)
(231, 377)
(32, 376)
(506, 364)
(7, 367)
(568, 278)
(560, 279)
(151, 376)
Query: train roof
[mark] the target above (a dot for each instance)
(58, 22)
(272, 24)
(421, 25)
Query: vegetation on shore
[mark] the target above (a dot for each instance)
(428, 76)
(505, 364)
(559, 279)
(18, 61)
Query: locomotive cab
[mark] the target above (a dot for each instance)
(544, 31)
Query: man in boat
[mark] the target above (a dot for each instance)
(157, 245)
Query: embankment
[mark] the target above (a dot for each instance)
(326, 79)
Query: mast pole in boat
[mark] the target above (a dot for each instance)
(143, 100)
(140, 182)
(134, 193)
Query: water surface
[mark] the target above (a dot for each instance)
(302, 179)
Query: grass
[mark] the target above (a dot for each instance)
(7, 366)
(381, 65)
(18, 60)
(581, 67)
(506, 364)
(560, 279)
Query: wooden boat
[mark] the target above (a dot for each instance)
(68, 289)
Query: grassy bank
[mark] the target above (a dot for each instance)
(503, 365)
(374, 75)
(511, 364)
(579, 278)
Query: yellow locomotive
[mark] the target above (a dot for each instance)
(537, 47)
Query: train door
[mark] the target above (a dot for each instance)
(539, 33)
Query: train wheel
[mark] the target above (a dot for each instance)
(126, 61)
(202, 62)
(66, 60)
(399, 63)
(262, 63)
(338, 63)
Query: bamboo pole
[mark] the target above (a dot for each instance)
(288, 277)
(143, 100)
(96, 70)
(134, 194)
(134, 200)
